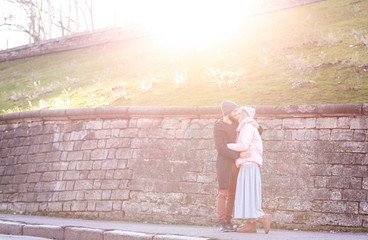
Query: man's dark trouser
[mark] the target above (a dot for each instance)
(226, 197)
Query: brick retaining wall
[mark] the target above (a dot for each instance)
(159, 163)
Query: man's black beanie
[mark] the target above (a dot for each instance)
(227, 107)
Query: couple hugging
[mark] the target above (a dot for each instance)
(239, 147)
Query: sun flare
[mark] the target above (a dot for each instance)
(184, 23)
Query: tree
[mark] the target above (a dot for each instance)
(39, 19)
(33, 24)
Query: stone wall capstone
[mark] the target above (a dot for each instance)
(159, 163)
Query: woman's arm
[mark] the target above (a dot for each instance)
(245, 139)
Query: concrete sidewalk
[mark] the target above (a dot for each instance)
(80, 229)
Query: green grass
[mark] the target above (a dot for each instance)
(313, 54)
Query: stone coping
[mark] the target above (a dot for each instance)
(287, 111)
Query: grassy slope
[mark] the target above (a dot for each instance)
(312, 54)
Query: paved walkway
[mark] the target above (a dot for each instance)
(70, 229)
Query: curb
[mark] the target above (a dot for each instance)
(78, 233)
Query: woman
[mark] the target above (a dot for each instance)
(248, 196)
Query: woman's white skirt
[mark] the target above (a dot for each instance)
(248, 196)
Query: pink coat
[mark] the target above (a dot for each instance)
(249, 141)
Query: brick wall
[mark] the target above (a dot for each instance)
(160, 163)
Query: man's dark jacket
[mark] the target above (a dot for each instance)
(225, 133)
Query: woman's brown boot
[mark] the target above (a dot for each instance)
(266, 222)
(250, 227)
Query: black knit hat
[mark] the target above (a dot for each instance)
(227, 107)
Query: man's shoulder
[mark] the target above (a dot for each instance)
(219, 124)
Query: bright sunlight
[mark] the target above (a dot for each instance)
(183, 23)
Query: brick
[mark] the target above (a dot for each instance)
(120, 194)
(117, 143)
(94, 125)
(84, 165)
(93, 195)
(124, 153)
(122, 164)
(341, 135)
(343, 122)
(67, 195)
(75, 156)
(123, 174)
(78, 206)
(169, 123)
(273, 134)
(353, 147)
(320, 182)
(109, 164)
(363, 207)
(71, 175)
(76, 136)
(66, 146)
(128, 133)
(356, 171)
(306, 134)
(89, 144)
(355, 183)
(48, 176)
(44, 196)
(111, 153)
(326, 123)
(359, 123)
(34, 177)
(54, 207)
(365, 183)
(75, 233)
(338, 182)
(104, 206)
(147, 123)
(32, 207)
(354, 195)
(109, 184)
(102, 134)
(99, 154)
(83, 185)
(35, 130)
(336, 195)
(45, 231)
(293, 123)
(119, 124)
(106, 194)
(359, 135)
(206, 178)
(96, 174)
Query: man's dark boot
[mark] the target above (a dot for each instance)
(223, 226)
(230, 227)
(227, 227)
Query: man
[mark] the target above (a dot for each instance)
(224, 133)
